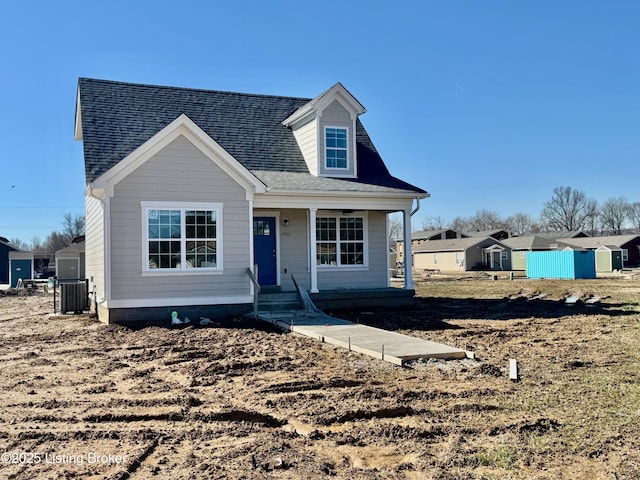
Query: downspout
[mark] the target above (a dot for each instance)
(415, 210)
(408, 260)
(91, 189)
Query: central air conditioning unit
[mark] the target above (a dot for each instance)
(74, 297)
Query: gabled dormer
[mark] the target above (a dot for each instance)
(325, 129)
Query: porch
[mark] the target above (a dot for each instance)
(273, 299)
(340, 256)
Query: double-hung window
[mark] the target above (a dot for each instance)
(336, 148)
(182, 237)
(341, 241)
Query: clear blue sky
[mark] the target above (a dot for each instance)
(485, 104)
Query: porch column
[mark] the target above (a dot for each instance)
(312, 250)
(408, 258)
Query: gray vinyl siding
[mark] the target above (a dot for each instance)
(376, 275)
(335, 115)
(94, 245)
(307, 138)
(294, 250)
(180, 173)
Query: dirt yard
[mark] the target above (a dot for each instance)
(240, 400)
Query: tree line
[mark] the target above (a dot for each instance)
(567, 210)
(72, 227)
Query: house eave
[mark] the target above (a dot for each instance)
(337, 92)
(347, 194)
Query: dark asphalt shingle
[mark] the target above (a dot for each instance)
(118, 117)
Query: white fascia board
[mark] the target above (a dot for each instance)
(181, 126)
(343, 96)
(335, 201)
(299, 116)
(341, 194)
(78, 126)
(96, 192)
(337, 92)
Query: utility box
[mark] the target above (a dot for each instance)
(568, 264)
(74, 297)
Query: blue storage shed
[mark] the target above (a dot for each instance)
(570, 264)
(5, 248)
(20, 267)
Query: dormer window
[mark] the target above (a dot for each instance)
(336, 148)
(325, 129)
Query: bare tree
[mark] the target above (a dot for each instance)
(521, 223)
(395, 227)
(72, 227)
(433, 223)
(634, 215)
(55, 241)
(613, 214)
(16, 242)
(485, 220)
(460, 224)
(569, 210)
(481, 221)
(36, 244)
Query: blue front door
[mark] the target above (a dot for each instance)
(20, 269)
(264, 249)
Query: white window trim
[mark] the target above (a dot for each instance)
(145, 206)
(365, 240)
(347, 149)
(625, 255)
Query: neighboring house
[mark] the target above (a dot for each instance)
(187, 189)
(629, 244)
(421, 236)
(530, 243)
(70, 261)
(5, 248)
(557, 235)
(462, 254)
(497, 234)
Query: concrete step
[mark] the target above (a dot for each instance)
(273, 302)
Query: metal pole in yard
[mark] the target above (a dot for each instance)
(382, 351)
(55, 283)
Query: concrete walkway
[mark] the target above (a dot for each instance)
(375, 342)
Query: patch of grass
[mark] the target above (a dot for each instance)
(500, 456)
(541, 444)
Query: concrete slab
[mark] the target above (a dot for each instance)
(392, 347)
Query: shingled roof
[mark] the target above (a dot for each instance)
(117, 117)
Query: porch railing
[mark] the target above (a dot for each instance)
(253, 275)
